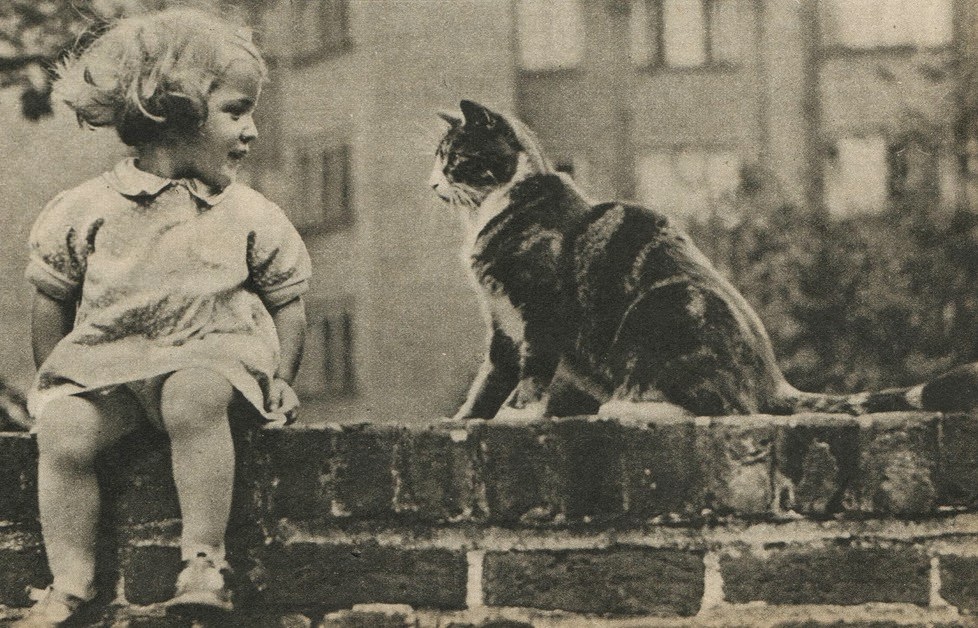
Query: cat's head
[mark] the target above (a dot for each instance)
(483, 151)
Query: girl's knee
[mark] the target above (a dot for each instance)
(194, 396)
(71, 430)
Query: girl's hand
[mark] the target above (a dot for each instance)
(282, 400)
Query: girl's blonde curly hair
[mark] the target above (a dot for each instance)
(152, 73)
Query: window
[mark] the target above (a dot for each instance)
(328, 367)
(857, 176)
(550, 33)
(687, 183)
(864, 174)
(319, 28)
(869, 24)
(322, 198)
(688, 33)
(913, 168)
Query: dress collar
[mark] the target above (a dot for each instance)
(129, 180)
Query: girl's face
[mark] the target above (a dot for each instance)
(215, 153)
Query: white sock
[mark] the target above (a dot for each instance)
(215, 553)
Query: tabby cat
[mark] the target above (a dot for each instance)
(589, 304)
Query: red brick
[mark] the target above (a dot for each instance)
(22, 564)
(898, 458)
(435, 476)
(256, 618)
(367, 619)
(296, 468)
(662, 472)
(338, 576)
(959, 582)
(846, 623)
(737, 458)
(363, 472)
(958, 477)
(250, 517)
(843, 575)
(18, 478)
(592, 468)
(494, 622)
(137, 480)
(147, 621)
(819, 456)
(521, 466)
(150, 573)
(619, 580)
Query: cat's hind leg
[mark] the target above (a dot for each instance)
(572, 393)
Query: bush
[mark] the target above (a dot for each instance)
(865, 302)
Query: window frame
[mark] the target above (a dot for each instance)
(328, 47)
(832, 160)
(832, 45)
(674, 153)
(338, 378)
(654, 28)
(312, 159)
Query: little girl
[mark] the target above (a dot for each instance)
(163, 289)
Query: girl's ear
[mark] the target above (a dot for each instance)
(477, 115)
(180, 111)
(450, 118)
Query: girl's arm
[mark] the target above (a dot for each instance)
(51, 320)
(290, 323)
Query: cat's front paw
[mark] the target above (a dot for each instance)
(529, 412)
(527, 401)
(528, 392)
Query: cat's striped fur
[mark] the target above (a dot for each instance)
(594, 303)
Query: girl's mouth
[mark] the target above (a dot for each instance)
(238, 155)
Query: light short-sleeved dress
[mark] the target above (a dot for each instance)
(166, 276)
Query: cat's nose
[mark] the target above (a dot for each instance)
(434, 182)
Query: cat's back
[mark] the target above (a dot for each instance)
(622, 246)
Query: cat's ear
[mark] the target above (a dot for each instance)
(477, 115)
(450, 118)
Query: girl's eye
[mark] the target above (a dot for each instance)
(237, 110)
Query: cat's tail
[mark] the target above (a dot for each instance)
(954, 391)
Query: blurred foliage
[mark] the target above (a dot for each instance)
(854, 303)
(35, 34)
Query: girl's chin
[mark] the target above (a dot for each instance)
(220, 180)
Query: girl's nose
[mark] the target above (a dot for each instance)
(250, 132)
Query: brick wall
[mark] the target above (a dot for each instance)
(788, 521)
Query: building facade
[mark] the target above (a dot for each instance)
(845, 102)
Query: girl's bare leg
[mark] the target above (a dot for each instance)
(71, 432)
(194, 407)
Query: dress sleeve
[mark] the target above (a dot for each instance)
(278, 262)
(58, 252)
